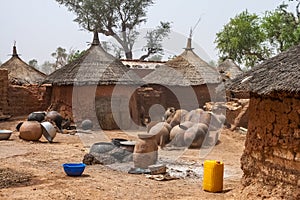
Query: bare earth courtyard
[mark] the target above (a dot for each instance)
(32, 170)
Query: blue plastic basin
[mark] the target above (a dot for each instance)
(74, 169)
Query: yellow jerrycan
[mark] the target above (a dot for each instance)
(213, 176)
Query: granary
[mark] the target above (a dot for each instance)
(96, 86)
(21, 92)
(185, 81)
(272, 148)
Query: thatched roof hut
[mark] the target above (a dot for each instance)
(272, 151)
(280, 73)
(229, 69)
(20, 73)
(95, 67)
(96, 86)
(187, 69)
(185, 81)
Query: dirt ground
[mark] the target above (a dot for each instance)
(33, 170)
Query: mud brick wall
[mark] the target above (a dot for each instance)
(95, 103)
(22, 100)
(4, 109)
(272, 147)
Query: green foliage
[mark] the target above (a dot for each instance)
(74, 55)
(60, 56)
(281, 28)
(156, 57)
(117, 18)
(154, 39)
(47, 67)
(33, 63)
(212, 63)
(242, 40)
(249, 39)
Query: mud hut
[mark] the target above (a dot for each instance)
(185, 81)
(96, 86)
(272, 147)
(21, 89)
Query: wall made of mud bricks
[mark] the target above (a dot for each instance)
(3, 92)
(106, 106)
(22, 100)
(272, 148)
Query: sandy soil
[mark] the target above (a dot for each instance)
(32, 170)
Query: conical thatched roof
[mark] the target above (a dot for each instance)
(280, 73)
(95, 67)
(20, 73)
(229, 69)
(189, 68)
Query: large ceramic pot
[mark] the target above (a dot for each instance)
(145, 151)
(36, 116)
(31, 130)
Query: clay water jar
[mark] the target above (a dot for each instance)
(31, 131)
(145, 151)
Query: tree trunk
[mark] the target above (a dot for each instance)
(128, 55)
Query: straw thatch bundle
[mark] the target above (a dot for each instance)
(187, 69)
(95, 67)
(20, 73)
(280, 73)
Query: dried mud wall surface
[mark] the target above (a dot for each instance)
(272, 147)
(188, 98)
(95, 103)
(4, 109)
(19, 100)
(22, 100)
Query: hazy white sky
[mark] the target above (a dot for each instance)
(40, 26)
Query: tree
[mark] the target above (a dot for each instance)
(243, 40)
(249, 39)
(212, 63)
(47, 67)
(33, 63)
(74, 55)
(118, 18)
(155, 58)
(60, 56)
(281, 28)
(155, 38)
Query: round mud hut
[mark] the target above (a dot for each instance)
(272, 148)
(96, 86)
(185, 82)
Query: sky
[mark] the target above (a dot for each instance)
(40, 26)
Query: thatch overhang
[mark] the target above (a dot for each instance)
(94, 67)
(280, 73)
(20, 73)
(187, 69)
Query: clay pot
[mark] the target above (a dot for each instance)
(86, 124)
(31, 130)
(145, 151)
(56, 117)
(36, 116)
